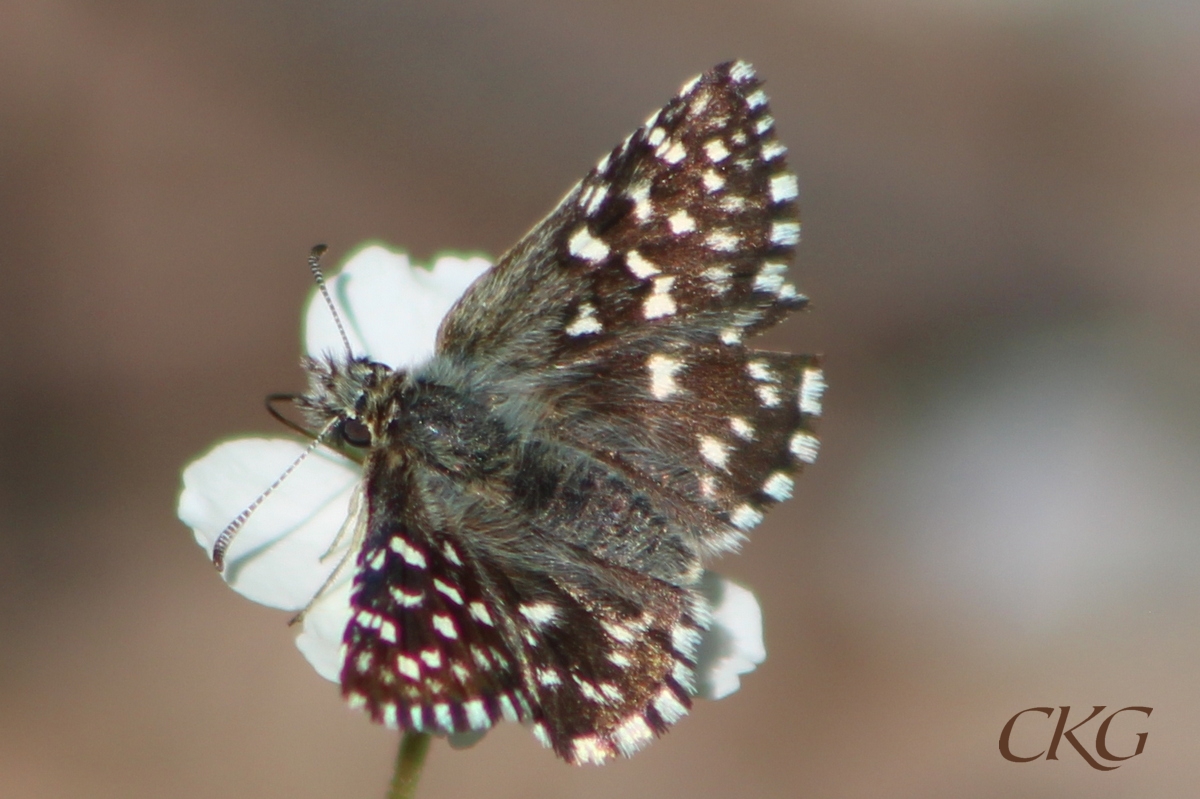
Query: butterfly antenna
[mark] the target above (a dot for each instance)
(314, 263)
(230, 532)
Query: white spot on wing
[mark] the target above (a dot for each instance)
(804, 446)
(589, 749)
(441, 714)
(539, 614)
(714, 451)
(477, 715)
(451, 553)
(405, 599)
(618, 631)
(760, 371)
(720, 277)
(672, 154)
(508, 711)
(765, 123)
(685, 639)
(480, 657)
(639, 192)
(411, 555)
(785, 233)
(387, 631)
(768, 395)
(432, 658)
(619, 660)
(479, 611)
(445, 625)
(596, 199)
(681, 222)
(639, 266)
(745, 517)
(669, 708)
(741, 428)
(722, 240)
(772, 150)
(716, 150)
(583, 244)
(656, 137)
(539, 732)
(660, 302)
(717, 122)
(632, 734)
(812, 386)
(741, 72)
(778, 486)
(586, 322)
(684, 677)
(589, 691)
(770, 277)
(784, 187)
(408, 667)
(662, 375)
(712, 181)
(731, 336)
(757, 98)
(447, 590)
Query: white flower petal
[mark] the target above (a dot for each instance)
(390, 307)
(320, 640)
(275, 558)
(734, 644)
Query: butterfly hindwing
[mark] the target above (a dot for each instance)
(453, 631)
(722, 429)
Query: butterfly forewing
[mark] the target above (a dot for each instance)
(689, 223)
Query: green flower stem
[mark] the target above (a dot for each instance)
(410, 758)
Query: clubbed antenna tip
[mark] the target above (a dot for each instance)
(314, 263)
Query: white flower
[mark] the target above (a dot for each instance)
(391, 310)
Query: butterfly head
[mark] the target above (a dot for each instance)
(350, 393)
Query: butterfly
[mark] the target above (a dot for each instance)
(539, 498)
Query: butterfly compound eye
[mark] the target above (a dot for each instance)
(356, 433)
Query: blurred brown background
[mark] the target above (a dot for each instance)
(1002, 220)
